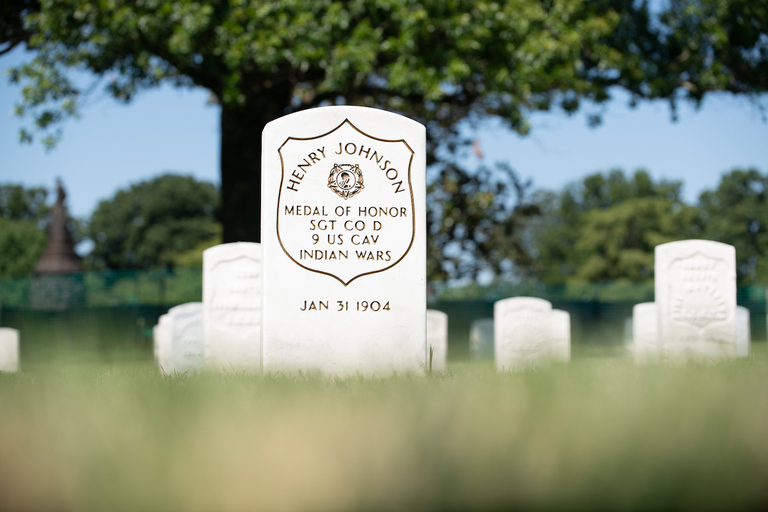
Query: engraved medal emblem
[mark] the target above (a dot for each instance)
(346, 180)
(331, 221)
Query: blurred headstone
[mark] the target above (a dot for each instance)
(161, 334)
(344, 243)
(186, 354)
(232, 304)
(561, 335)
(481, 340)
(645, 325)
(9, 350)
(437, 340)
(743, 334)
(696, 300)
(522, 333)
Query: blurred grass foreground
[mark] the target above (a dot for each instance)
(599, 433)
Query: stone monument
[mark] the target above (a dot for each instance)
(232, 306)
(344, 243)
(9, 350)
(187, 339)
(645, 332)
(522, 333)
(696, 300)
(743, 332)
(57, 284)
(481, 340)
(437, 340)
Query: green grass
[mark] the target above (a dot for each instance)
(598, 433)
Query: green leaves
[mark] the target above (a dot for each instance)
(153, 222)
(605, 228)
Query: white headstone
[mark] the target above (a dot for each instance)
(186, 338)
(696, 300)
(163, 333)
(629, 344)
(232, 305)
(522, 332)
(344, 242)
(481, 339)
(743, 334)
(437, 340)
(561, 335)
(645, 326)
(9, 350)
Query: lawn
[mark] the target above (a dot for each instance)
(598, 433)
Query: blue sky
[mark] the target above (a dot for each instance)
(168, 129)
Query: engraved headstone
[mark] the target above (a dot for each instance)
(232, 303)
(645, 333)
(561, 335)
(9, 350)
(522, 332)
(481, 340)
(187, 339)
(696, 300)
(743, 334)
(344, 243)
(437, 340)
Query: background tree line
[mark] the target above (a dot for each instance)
(439, 62)
(484, 223)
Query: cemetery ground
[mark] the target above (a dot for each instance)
(598, 433)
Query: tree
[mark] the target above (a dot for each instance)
(437, 61)
(475, 221)
(152, 222)
(23, 214)
(736, 213)
(606, 228)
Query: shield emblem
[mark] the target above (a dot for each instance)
(345, 206)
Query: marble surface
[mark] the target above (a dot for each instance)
(437, 340)
(232, 307)
(9, 350)
(695, 287)
(344, 243)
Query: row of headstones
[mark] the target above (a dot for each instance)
(694, 316)
(224, 331)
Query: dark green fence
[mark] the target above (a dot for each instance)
(100, 311)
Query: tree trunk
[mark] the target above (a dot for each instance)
(241, 129)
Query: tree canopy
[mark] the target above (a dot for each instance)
(153, 222)
(23, 215)
(736, 213)
(438, 61)
(606, 226)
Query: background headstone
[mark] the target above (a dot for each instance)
(161, 343)
(743, 332)
(187, 338)
(437, 339)
(344, 242)
(522, 332)
(9, 350)
(645, 334)
(561, 335)
(232, 303)
(481, 340)
(696, 299)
